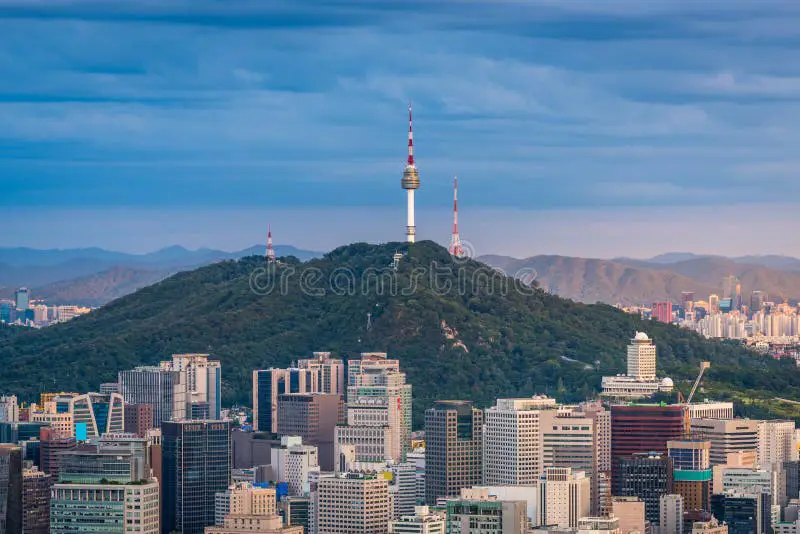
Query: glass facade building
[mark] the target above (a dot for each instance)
(196, 464)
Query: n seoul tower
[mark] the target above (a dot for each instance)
(410, 183)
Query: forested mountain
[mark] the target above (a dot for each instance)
(459, 329)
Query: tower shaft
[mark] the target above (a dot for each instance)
(411, 229)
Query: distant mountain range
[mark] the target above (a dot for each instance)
(94, 276)
(631, 281)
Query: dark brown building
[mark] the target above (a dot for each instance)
(453, 448)
(138, 418)
(642, 429)
(10, 488)
(50, 448)
(35, 502)
(314, 417)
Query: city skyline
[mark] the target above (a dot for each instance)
(616, 115)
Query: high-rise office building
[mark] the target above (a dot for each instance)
(11, 488)
(422, 521)
(50, 450)
(292, 461)
(643, 428)
(9, 409)
(100, 413)
(22, 298)
(375, 360)
(692, 472)
(453, 448)
(378, 401)
(327, 372)
(477, 512)
(671, 514)
(35, 501)
(296, 511)
(647, 476)
(757, 300)
(601, 442)
(353, 503)
(196, 458)
(777, 443)
(564, 497)
(268, 385)
(792, 470)
(160, 387)
(108, 488)
(139, 419)
(732, 441)
(513, 452)
(744, 513)
(312, 416)
(201, 384)
(319, 374)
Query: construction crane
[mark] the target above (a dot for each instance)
(703, 367)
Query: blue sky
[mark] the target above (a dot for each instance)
(575, 126)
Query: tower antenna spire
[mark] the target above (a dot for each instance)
(410, 136)
(270, 250)
(410, 182)
(455, 248)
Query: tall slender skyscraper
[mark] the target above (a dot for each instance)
(454, 448)
(410, 183)
(196, 465)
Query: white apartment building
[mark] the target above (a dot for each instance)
(777, 443)
(512, 443)
(564, 497)
(353, 503)
(292, 462)
(671, 514)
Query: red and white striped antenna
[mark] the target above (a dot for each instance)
(270, 250)
(455, 248)
(410, 137)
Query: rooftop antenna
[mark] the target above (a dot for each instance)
(455, 248)
(270, 250)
